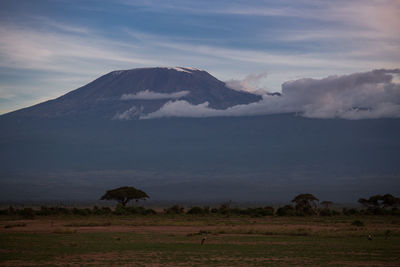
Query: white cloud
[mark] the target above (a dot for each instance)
(250, 83)
(356, 96)
(149, 95)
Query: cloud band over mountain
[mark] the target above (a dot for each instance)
(149, 95)
(367, 95)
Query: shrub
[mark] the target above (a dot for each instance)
(259, 212)
(149, 212)
(325, 212)
(101, 211)
(335, 212)
(269, 211)
(287, 210)
(224, 209)
(305, 211)
(140, 210)
(176, 209)
(121, 210)
(199, 210)
(81, 212)
(11, 211)
(349, 212)
(376, 211)
(47, 211)
(26, 213)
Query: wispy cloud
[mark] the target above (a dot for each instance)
(55, 51)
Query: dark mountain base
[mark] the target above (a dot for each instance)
(266, 158)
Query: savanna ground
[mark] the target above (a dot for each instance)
(174, 240)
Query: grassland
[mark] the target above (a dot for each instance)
(174, 240)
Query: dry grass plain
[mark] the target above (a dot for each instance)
(174, 240)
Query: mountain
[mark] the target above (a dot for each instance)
(73, 148)
(139, 91)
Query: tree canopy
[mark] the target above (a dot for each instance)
(124, 194)
(305, 200)
(379, 201)
(306, 203)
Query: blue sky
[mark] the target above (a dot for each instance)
(48, 48)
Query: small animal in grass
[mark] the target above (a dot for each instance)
(202, 240)
(369, 237)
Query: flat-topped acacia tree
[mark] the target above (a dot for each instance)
(124, 194)
(306, 203)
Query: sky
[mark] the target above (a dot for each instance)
(48, 48)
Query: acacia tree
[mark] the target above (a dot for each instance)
(379, 201)
(124, 194)
(306, 203)
(372, 202)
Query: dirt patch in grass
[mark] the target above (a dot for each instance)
(183, 226)
(170, 259)
(49, 226)
(112, 259)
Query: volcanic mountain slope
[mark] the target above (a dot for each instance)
(126, 94)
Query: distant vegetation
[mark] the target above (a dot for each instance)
(379, 204)
(304, 205)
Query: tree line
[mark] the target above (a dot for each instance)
(301, 205)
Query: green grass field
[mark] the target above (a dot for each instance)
(175, 241)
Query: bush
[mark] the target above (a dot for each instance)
(325, 212)
(335, 212)
(149, 212)
(199, 210)
(259, 212)
(121, 210)
(253, 212)
(224, 209)
(287, 210)
(82, 212)
(48, 211)
(27, 213)
(349, 212)
(305, 211)
(376, 211)
(9, 211)
(101, 211)
(176, 209)
(269, 211)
